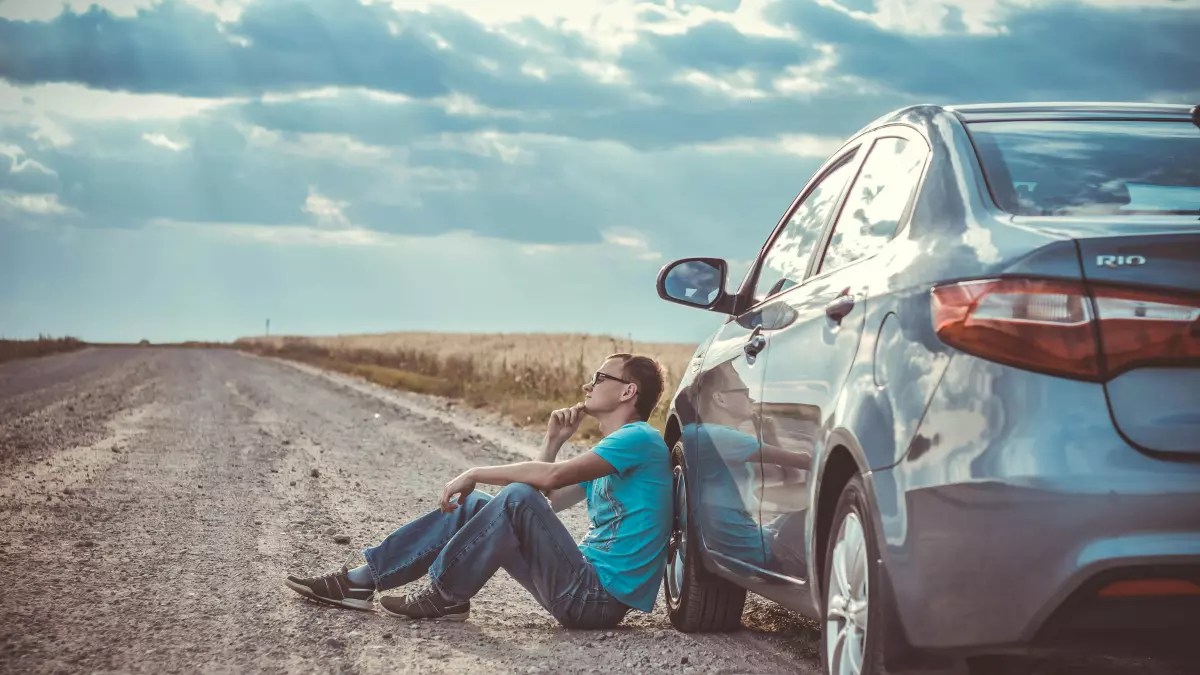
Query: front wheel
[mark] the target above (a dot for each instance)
(852, 642)
(696, 600)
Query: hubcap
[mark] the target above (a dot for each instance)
(846, 620)
(677, 545)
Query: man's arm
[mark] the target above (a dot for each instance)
(545, 476)
(773, 454)
(564, 497)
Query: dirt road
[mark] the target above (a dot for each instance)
(152, 500)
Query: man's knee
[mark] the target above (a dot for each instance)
(477, 499)
(515, 492)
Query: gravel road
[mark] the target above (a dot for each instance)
(152, 500)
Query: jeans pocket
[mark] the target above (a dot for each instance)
(590, 609)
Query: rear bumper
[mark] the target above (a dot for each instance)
(1018, 501)
(1107, 612)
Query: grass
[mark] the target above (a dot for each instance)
(522, 376)
(22, 349)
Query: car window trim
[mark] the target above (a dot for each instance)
(850, 155)
(891, 131)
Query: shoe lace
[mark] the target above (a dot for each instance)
(336, 573)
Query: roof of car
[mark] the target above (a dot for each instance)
(979, 112)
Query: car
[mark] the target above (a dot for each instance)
(953, 407)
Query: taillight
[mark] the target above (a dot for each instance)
(1056, 327)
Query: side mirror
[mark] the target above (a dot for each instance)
(696, 282)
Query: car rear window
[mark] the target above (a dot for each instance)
(1074, 168)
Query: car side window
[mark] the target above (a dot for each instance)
(786, 261)
(876, 201)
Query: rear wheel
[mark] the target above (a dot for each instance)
(852, 641)
(696, 600)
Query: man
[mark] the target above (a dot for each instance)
(735, 443)
(625, 479)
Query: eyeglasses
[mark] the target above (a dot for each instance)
(739, 390)
(598, 377)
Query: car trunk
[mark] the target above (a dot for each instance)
(1146, 290)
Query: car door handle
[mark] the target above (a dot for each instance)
(840, 307)
(755, 344)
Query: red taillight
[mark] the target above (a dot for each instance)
(1055, 327)
(1147, 328)
(1144, 587)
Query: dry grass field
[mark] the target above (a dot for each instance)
(20, 349)
(523, 376)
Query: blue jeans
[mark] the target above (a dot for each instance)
(516, 530)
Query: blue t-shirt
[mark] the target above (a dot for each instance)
(727, 481)
(630, 513)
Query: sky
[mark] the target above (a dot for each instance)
(186, 169)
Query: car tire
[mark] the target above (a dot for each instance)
(697, 601)
(853, 628)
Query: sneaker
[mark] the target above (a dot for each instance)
(333, 589)
(426, 603)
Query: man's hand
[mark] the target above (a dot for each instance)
(462, 485)
(563, 423)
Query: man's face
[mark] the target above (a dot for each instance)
(605, 388)
(736, 401)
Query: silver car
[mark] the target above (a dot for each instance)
(954, 406)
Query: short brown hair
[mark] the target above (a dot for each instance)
(649, 377)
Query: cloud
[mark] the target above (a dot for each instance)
(326, 212)
(161, 140)
(1055, 52)
(693, 130)
(634, 241)
(174, 47)
(287, 235)
(22, 174)
(801, 145)
(35, 204)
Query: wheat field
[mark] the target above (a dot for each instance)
(11, 350)
(522, 376)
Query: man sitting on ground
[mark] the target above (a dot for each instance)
(625, 479)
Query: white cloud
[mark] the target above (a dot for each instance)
(163, 141)
(738, 85)
(327, 212)
(78, 102)
(485, 144)
(45, 10)
(800, 145)
(606, 73)
(610, 25)
(305, 95)
(464, 105)
(980, 17)
(541, 249)
(386, 96)
(634, 241)
(534, 71)
(20, 163)
(618, 243)
(337, 147)
(284, 235)
(37, 204)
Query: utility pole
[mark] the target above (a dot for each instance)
(268, 326)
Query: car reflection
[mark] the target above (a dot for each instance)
(746, 472)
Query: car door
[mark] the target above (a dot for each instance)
(728, 471)
(810, 358)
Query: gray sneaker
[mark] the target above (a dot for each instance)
(334, 588)
(425, 603)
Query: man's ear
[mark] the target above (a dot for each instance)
(630, 389)
(718, 398)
